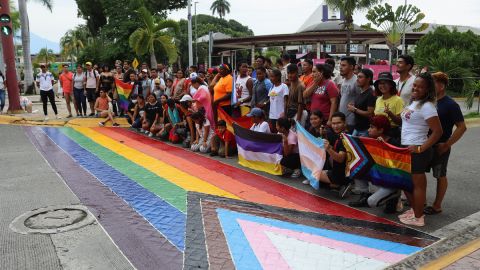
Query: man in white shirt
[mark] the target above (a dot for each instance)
(45, 81)
(259, 123)
(405, 82)
(286, 63)
(91, 87)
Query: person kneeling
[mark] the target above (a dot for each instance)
(103, 110)
(337, 157)
(291, 157)
(223, 143)
(379, 127)
(204, 133)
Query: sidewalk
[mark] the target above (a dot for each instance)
(464, 257)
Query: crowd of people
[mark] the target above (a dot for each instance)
(183, 107)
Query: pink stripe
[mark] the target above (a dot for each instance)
(267, 254)
(380, 255)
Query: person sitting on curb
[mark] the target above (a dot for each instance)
(291, 157)
(223, 143)
(259, 123)
(204, 133)
(103, 110)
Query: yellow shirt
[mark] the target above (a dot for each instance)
(394, 103)
(222, 88)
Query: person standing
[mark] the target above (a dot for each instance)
(278, 99)
(364, 104)
(91, 87)
(243, 90)
(79, 80)
(45, 82)
(421, 129)
(66, 82)
(222, 86)
(450, 115)
(405, 64)
(349, 90)
(336, 77)
(162, 73)
(285, 63)
(388, 103)
(295, 106)
(2, 92)
(178, 86)
(261, 86)
(307, 80)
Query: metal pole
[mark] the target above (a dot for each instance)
(404, 47)
(196, 35)
(9, 58)
(190, 49)
(210, 48)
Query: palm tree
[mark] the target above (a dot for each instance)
(74, 41)
(348, 8)
(221, 7)
(27, 60)
(45, 56)
(153, 35)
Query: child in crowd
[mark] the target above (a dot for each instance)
(291, 156)
(259, 123)
(103, 110)
(169, 89)
(223, 143)
(204, 133)
(138, 112)
(174, 120)
(152, 116)
(379, 128)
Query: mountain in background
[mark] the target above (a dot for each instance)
(37, 43)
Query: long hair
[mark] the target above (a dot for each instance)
(431, 95)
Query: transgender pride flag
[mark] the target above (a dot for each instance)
(312, 155)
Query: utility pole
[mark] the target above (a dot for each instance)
(190, 49)
(9, 57)
(196, 34)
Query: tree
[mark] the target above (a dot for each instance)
(153, 35)
(74, 41)
(348, 8)
(393, 24)
(45, 56)
(27, 60)
(221, 7)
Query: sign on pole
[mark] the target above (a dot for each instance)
(135, 63)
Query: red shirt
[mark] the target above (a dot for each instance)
(66, 80)
(226, 136)
(321, 97)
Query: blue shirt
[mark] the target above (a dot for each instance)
(449, 113)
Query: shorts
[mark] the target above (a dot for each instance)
(421, 161)
(91, 94)
(337, 178)
(439, 163)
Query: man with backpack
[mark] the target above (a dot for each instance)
(92, 81)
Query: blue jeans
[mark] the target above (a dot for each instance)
(80, 100)
(2, 99)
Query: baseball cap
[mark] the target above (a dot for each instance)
(193, 75)
(88, 63)
(186, 98)
(257, 112)
(144, 70)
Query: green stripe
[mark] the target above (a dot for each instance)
(164, 189)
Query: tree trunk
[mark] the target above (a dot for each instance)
(27, 60)
(153, 59)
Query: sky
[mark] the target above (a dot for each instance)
(262, 16)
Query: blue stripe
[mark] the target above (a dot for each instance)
(309, 175)
(164, 217)
(390, 181)
(228, 218)
(314, 140)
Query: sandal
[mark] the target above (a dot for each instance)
(429, 210)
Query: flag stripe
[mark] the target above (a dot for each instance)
(263, 147)
(259, 156)
(275, 169)
(391, 155)
(312, 155)
(256, 136)
(389, 163)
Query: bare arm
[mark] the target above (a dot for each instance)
(333, 108)
(437, 131)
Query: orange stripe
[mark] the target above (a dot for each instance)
(222, 181)
(391, 155)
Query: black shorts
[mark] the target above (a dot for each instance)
(338, 179)
(421, 162)
(91, 94)
(439, 163)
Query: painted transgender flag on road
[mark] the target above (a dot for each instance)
(312, 155)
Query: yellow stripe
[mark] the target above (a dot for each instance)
(270, 168)
(453, 256)
(162, 169)
(388, 163)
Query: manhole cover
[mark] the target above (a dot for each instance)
(52, 219)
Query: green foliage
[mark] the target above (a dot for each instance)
(45, 56)
(394, 23)
(221, 7)
(74, 41)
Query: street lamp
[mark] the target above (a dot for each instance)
(196, 34)
(190, 50)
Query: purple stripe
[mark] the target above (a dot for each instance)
(262, 147)
(144, 246)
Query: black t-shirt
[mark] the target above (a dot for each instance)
(338, 169)
(449, 113)
(152, 109)
(362, 102)
(106, 82)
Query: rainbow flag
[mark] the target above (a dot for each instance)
(124, 90)
(312, 155)
(259, 151)
(243, 121)
(381, 163)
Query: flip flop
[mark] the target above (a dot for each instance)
(429, 210)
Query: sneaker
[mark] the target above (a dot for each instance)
(344, 190)
(58, 117)
(92, 114)
(69, 116)
(46, 118)
(408, 213)
(412, 220)
(287, 171)
(212, 154)
(116, 125)
(306, 182)
(102, 124)
(296, 173)
(150, 134)
(361, 202)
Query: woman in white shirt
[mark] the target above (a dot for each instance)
(418, 119)
(259, 123)
(204, 133)
(278, 98)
